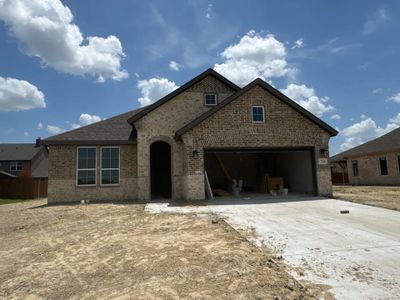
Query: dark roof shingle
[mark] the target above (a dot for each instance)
(385, 143)
(18, 151)
(113, 130)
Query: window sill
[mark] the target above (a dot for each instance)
(85, 185)
(110, 185)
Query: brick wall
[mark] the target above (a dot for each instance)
(162, 123)
(232, 127)
(62, 176)
(369, 172)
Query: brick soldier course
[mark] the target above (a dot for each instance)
(182, 120)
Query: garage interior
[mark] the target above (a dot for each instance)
(261, 171)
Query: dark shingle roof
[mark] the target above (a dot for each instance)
(113, 130)
(18, 151)
(270, 89)
(385, 143)
(41, 171)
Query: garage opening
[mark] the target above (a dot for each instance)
(261, 171)
(160, 170)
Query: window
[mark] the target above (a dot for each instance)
(15, 166)
(257, 114)
(398, 162)
(86, 166)
(110, 165)
(354, 163)
(210, 99)
(383, 165)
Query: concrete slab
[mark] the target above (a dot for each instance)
(358, 254)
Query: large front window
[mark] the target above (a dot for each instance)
(86, 167)
(110, 165)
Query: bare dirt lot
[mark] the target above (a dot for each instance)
(381, 196)
(106, 251)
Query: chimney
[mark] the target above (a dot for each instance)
(38, 142)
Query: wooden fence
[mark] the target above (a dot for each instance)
(340, 178)
(23, 188)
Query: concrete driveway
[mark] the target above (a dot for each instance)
(358, 254)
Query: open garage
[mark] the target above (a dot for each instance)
(260, 171)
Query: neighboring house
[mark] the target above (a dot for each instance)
(23, 171)
(376, 162)
(207, 125)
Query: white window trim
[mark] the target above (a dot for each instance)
(252, 119)
(119, 166)
(15, 163)
(210, 93)
(76, 169)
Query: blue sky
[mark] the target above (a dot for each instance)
(67, 64)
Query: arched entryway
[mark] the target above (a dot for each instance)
(160, 170)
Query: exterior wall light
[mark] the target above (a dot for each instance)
(195, 153)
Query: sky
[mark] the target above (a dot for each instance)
(66, 64)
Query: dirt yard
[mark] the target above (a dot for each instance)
(106, 251)
(382, 196)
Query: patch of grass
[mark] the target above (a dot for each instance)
(9, 201)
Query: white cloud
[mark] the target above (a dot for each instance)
(209, 11)
(53, 129)
(375, 21)
(305, 96)
(46, 30)
(26, 133)
(153, 89)
(364, 131)
(395, 98)
(396, 119)
(84, 119)
(336, 117)
(298, 44)
(17, 95)
(40, 125)
(254, 56)
(377, 91)
(174, 66)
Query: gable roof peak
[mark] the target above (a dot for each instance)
(270, 89)
(181, 89)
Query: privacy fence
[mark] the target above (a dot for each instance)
(23, 188)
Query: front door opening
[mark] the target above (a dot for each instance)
(160, 170)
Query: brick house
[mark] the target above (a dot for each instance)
(208, 125)
(376, 162)
(23, 171)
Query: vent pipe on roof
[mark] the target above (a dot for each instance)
(37, 142)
